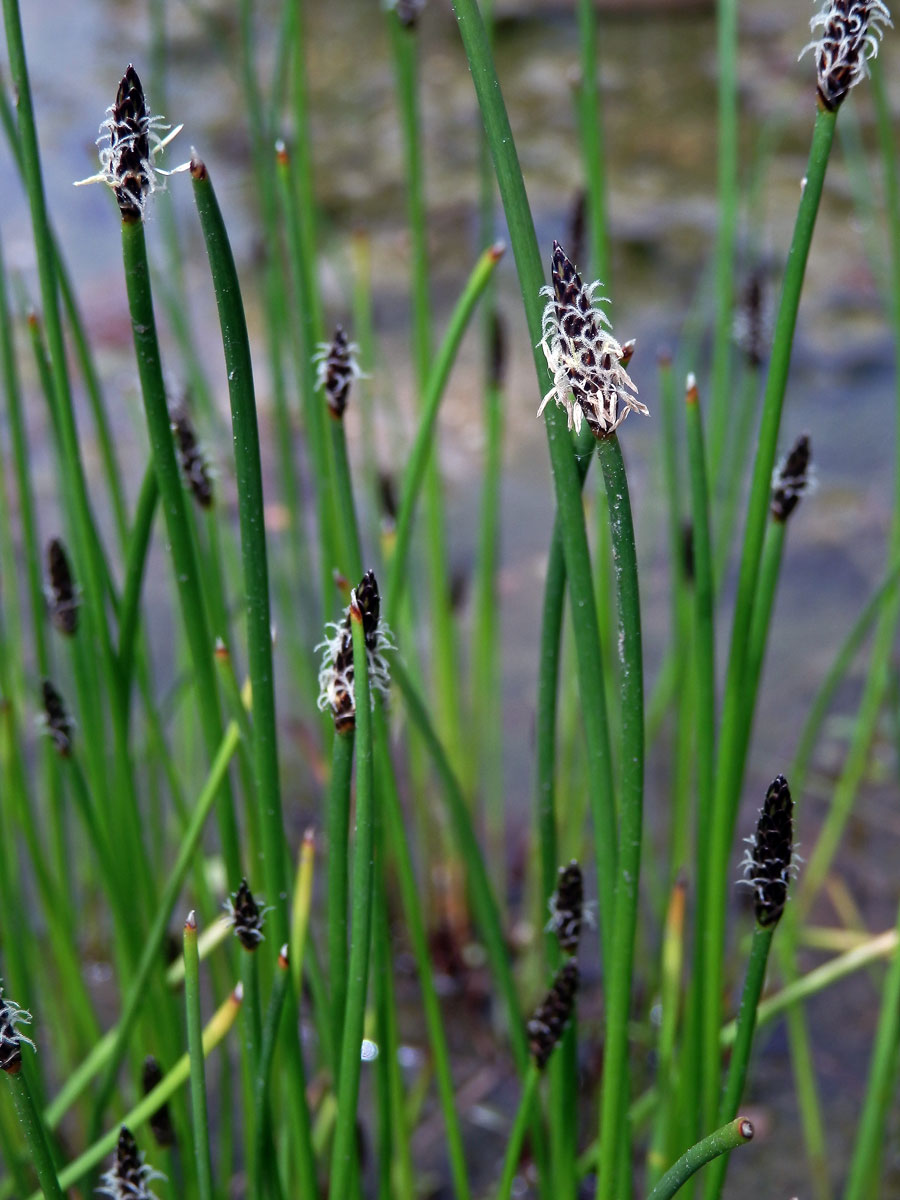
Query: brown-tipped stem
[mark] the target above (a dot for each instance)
(792, 479)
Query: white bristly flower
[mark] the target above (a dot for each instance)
(11, 1039)
(129, 1175)
(130, 138)
(851, 32)
(589, 381)
(336, 690)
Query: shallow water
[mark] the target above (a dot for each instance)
(659, 94)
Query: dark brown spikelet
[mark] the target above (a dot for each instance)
(768, 862)
(546, 1026)
(792, 480)
(246, 917)
(130, 145)
(61, 593)
(851, 30)
(193, 464)
(161, 1121)
(581, 330)
(369, 603)
(58, 723)
(10, 1038)
(567, 907)
(336, 371)
(127, 1177)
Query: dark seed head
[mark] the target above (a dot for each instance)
(130, 145)
(336, 371)
(550, 1019)
(127, 1177)
(193, 464)
(792, 480)
(369, 603)
(567, 907)
(850, 33)
(768, 863)
(247, 917)
(161, 1121)
(10, 1038)
(61, 593)
(58, 723)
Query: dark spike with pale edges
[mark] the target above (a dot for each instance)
(57, 721)
(61, 593)
(551, 1017)
(767, 863)
(246, 917)
(129, 140)
(791, 479)
(567, 907)
(190, 458)
(128, 1176)
(851, 33)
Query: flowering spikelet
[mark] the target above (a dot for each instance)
(10, 1038)
(551, 1017)
(190, 457)
(129, 1175)
(583, 356)
(62, 595)
(130, 138)
(336, 673)
(851, 31)
(791, 479)
(567, 907)
(767, 862)
(57, 721)
(336, 368)
(246, 917)
(161, 1121)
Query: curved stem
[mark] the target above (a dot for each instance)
(729, 1137)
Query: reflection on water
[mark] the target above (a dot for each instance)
(659, 94)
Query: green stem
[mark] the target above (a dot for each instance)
(135, 562)
(565, 473)
(253, 540)
(35, 1135)
(730, 755)
(591, 132)
(343, 1158)
(613, 1127)
(338, 836)
(200, 1121)
(518, 1131)
(740, 1055)
(172, 499)
(722, 1141)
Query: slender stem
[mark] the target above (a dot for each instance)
(264, 1070)
(518, 1132)
(613, 1126)
(343, 1155)
(591, 132)
(135, 562)
(338, 835)
(565, 474)
(722, 1141)
(200, 1120)
(172, 499)
(253, 539)
(730, 756)
(389, 800)
(35, 1135)
(740, 1055)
